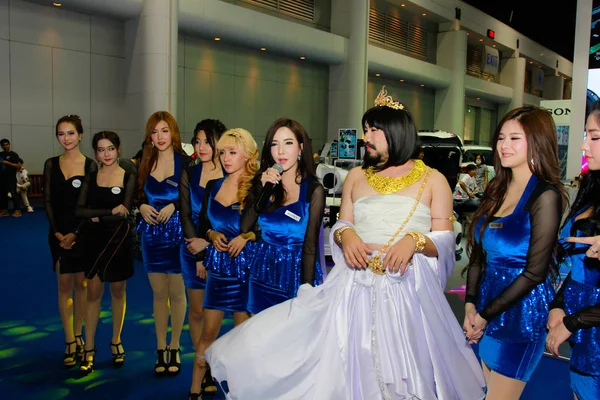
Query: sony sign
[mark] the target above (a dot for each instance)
(491, 60)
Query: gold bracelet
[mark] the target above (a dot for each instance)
(337, 236)
(420, 241)
(249, 236)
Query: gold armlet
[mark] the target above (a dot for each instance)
(249, 236)
(420, 241)
(337, 236)
(451, 219)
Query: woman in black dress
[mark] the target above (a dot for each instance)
(63, 177)
(104, 206)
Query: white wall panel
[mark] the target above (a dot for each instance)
(31, 84)
(5, 132)
(108, 92)
(107, 37)
(35, 152)
(71, 84)
(197, 98)
(4, 82)
(4, 28)
(49, 26)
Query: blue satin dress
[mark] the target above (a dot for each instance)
(161, 242)
(583, 290)
(227, 282)
(188, 260)
(275, 272)
(514, 341)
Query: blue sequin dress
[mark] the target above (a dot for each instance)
(275, 274)
(161, 242)
(514, 287)
(227, 281)
(193, 206)
(581, 290)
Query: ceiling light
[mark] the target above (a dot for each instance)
(481, 40)
(424, 14)
(217, 39)
(401, 80)
(57, 4)
(402, 5)
(478, 98)
(302, 58)
(530, 62)
(422, 85)
(468, 33)
(493, 45)
(377, 74)
(263, 49)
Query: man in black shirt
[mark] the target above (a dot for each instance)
(9, 165)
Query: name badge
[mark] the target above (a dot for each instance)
(495, 225)
(170, 182)
(293, 216)
(235, 207)
(116, 190)
(76, 183)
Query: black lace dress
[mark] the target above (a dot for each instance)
(109, 242)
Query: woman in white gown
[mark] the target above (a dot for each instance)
(364, 333)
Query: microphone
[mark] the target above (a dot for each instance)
(261, 201)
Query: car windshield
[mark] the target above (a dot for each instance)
(470, 155)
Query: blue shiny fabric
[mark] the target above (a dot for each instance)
(506, 245)
(226, 285)
(582, 290)
(514, 360)
(188, 260)
(275, 272)
(161, 242)
(585, 386)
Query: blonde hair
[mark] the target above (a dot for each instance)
(241, 139)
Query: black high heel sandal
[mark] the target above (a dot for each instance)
(195, 396)
(118, 358)
(173, 363)
(209, 387)
(87, 365)
(161, 362)
(80, 348)
(70, 358)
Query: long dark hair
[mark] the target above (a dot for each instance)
(587, 196)
(540, 133)
(400, 133)
(213, 128)
(306, 164)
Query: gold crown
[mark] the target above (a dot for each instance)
(386, 101)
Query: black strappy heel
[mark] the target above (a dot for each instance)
(173, 363)
(70, 358)
(118, 358)
(160, 362)
(87, 366)
(80, 348)
(209, 387)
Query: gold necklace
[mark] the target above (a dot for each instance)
(389, 185)
(375, 264)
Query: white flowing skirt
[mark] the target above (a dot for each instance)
(357, 336)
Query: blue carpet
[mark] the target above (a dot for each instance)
(31, 337)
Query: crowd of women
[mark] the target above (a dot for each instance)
(204, 228)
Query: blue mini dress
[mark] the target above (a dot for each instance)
(582, 290)
(514, 340)
(161, 242)
(227, 281)
(275, 274)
